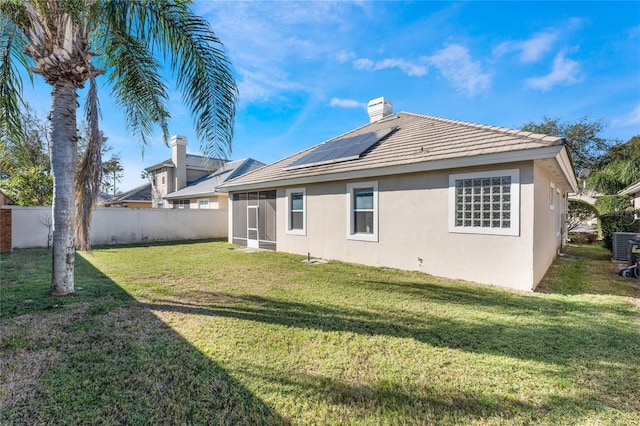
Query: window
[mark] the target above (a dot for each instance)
(485, 202)
(552, 196)
(362, 211)
(559, 214)
(203, 204)
(181, 204)
(296, 207)
(163, 178)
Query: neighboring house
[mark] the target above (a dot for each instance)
(189, 181)
(138, 197)
(203, 193)
(633, 191)
(102, 198)
(415, 192)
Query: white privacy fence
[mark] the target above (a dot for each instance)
(30, 226)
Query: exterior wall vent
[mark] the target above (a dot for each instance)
(379, 108)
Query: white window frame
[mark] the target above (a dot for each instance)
(513, 230)
(552, 196)
(200, 200)
(351, 235)
(289, 192)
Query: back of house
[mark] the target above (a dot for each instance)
(415, 192)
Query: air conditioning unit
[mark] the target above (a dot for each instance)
(620, 243)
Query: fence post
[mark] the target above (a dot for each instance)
(5, 230)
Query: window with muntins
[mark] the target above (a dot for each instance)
(362, 204)
(296, 206)
(485, 202)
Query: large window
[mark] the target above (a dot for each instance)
(296, 207)
(362, 210)
(485, 202)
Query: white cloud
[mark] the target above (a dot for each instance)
(409, 68)
(456, 65)
(363, 64)
(346, 103)
(631, 119)
(564, 72)
(344, 56)
(532, 49)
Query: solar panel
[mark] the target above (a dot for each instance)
(338, 150)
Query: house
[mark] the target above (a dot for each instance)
(138, 197)
(633, 191)
(190, 181)
(415, 192)
(203, 193)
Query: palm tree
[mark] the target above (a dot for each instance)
(615, 176)
(72, 42)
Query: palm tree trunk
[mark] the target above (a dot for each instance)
(63, 164)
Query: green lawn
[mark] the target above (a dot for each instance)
(200, 333)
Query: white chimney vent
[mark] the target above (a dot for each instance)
(379, 108)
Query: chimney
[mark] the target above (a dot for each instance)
(179, 158)
(379, 108)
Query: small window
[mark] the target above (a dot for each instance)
(181, 204)
(362, 210)
(296, 207)
(160, 205)
(163, 178)
(203, 204)
(485, 202)
(552, 197)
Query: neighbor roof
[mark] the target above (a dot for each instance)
(419, 143)
(207, 185)
(193, 162)
(631, 189)
(139, 193)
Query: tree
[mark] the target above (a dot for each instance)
(112, 173)
(583, 138)
(32, 186)
(614, 176)
(28, 149)
(71, 43)
(579, 212)
(622, 152)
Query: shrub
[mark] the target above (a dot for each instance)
(612, 203)
(579, 211)
(582, 237)
(621, 221)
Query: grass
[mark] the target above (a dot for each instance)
(200, 333)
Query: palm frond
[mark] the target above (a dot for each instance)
(203, 73)
(88, 174)
(197, 60)
(12, 44)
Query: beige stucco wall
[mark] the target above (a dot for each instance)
(547, 241)
(413, 218)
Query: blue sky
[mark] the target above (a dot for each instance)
(305, 71)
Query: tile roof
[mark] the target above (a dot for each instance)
(417, 139)
(207, 185)
(139, 193)
(193, 162)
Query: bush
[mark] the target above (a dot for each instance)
(622, 221)
(579, 212)
(612, 203)
(582, 237)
